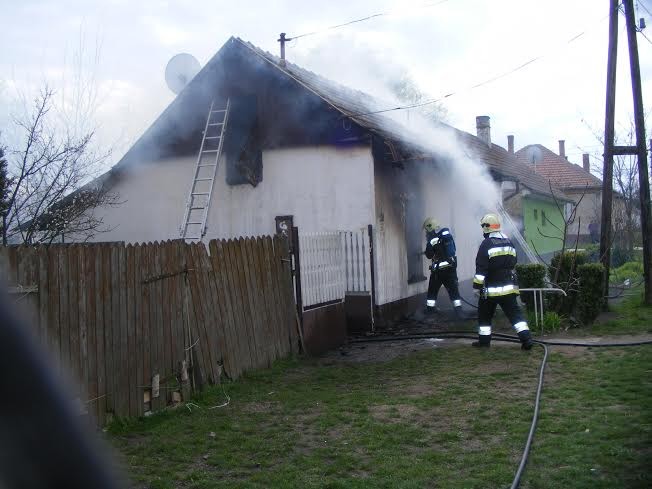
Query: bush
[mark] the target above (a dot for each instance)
(632, 270)
(530, 276)
(567, 263)
(592, 253)
(589, 298)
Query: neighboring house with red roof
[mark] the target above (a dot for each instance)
(576, 181)
(523, 191)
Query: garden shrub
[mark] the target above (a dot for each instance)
(632, 270)
(589, 298)
(530, 276)
(567, 263)
(592, 253)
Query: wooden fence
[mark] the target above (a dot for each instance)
(138, 327)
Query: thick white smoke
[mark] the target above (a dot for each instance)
(462, 190)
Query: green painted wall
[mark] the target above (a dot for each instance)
(534, 211)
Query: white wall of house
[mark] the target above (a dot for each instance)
(589, 209)
(152, 196)
(441, 202)
(324, 188)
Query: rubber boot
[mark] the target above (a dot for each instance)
(430, 310)
(484, 341)
(526, 339)
(458, 312)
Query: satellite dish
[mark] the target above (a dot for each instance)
(534, 155)
(180, 70)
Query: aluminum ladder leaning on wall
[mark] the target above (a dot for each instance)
(517, 235)
(195, 215)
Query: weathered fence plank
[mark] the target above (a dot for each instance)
(238, 304)
(145, 307)
(131, 376)
(252, 293)
(73, 314)
(140, 338)
(198, 341)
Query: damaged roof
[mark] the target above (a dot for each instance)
(365, 110)
(559, 170)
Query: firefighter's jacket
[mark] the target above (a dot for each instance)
(494, 266)
(440, 248)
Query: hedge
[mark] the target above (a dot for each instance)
(589, 298)
(530, 276)
(568, 262)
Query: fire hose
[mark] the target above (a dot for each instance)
(511, 339)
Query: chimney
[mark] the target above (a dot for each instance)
(483, 127)
(510, 143)
(562, 148)
(586, 163)
(282, 39)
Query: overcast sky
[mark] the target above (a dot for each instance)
(446, 48)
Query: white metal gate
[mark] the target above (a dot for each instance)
(357, 254)
(332, 264)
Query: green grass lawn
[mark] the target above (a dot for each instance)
(450, 417)
(629, 316)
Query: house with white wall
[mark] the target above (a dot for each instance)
(299, 145)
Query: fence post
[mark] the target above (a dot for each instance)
(372, 269)
(296, 271)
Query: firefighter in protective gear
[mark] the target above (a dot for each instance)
(495, 278)
(440, 248)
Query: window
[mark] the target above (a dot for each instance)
(543, 218)
(536, 215)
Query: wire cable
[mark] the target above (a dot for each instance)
(369, 17)
(477, 85)
(643, 34)
(641, 4)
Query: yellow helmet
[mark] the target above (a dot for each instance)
(430, 225)
(490, 223)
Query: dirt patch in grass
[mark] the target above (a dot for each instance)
(414, 387)
(261, 407)
(394, 413)
(376, 352)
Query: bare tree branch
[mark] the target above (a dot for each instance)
(50, 196)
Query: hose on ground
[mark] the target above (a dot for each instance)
(510, 339)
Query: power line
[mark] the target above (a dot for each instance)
(485, 82)
(643, 34)
(369, 17)
(641, 4)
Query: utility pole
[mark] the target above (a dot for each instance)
(638, 150)
(641, 149)
(608, 164)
